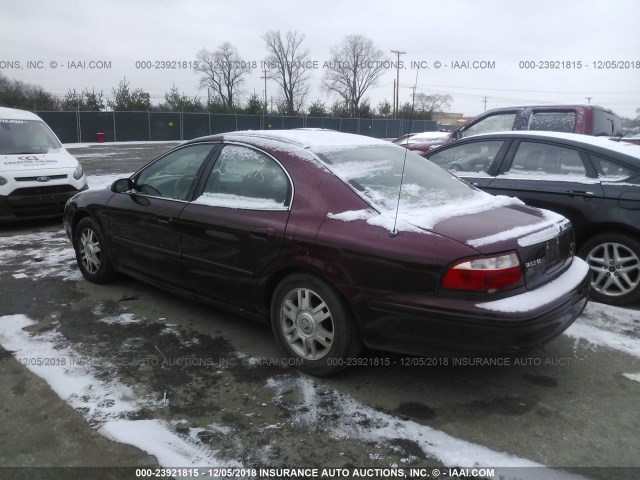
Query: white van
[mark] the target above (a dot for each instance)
(37, 174)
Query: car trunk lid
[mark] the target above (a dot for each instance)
(543, 240)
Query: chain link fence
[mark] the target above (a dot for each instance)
(81, 127)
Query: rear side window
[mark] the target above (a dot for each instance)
(610, 171)
(553, 121)
(474, 157)
(550, 161)
(495, 123)
(248, 179)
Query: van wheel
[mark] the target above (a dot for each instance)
(91, 253)
(314, 325)
(614, 260)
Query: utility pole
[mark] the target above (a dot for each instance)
(398, 53)
(485, 103)
(265, 88)
(589, 100)
(393, 112)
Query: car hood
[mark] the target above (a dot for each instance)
(54, 159)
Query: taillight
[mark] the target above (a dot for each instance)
(485, 274)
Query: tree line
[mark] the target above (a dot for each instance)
(355, 65)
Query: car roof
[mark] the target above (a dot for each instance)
(304, 138)
(605, 145)
(547, 107)
(15, 114)
(434, 134)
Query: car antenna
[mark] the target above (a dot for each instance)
(394, 232)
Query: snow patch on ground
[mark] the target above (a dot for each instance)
(155, 438)
(346, 418)
(106, 403)
(122, 319)
(53, 256)
(609, 327)
(69, 374)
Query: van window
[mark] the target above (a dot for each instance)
(606, 124)
(495, 123)
(20, 137)
(553, 121)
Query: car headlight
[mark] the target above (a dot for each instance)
(78, 173)
(3, 181)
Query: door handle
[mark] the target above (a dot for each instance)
(580, 193)
(262, 232)
(164, 219)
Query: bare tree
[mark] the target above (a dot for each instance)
(222, 72)
(432, 103)
(289, 66)
(356, 64)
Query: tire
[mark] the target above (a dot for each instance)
(313, 325)
(91, 253)
(614, 260)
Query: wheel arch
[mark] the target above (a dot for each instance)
(275, 278)
(606, 229)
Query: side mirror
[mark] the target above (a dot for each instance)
(122, 185)
(456, 135)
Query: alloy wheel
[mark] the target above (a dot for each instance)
(90, 251)
(615, 269)
(307, 324)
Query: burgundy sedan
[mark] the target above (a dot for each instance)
(339, 241)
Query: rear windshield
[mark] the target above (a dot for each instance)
(376, 172)
(26, 136)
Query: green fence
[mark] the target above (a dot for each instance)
(79, 127)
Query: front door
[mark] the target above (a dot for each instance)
(144, 221)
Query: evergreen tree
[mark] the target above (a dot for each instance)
(125, 99)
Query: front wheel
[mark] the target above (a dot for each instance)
(314, 325)
(91, 253)
(614, 260)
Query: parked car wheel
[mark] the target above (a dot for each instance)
(614, 260)
(91, 254)
(313, 325)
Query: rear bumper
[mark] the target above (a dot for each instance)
(431, 325)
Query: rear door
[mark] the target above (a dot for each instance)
(551, 176)
(235, 227)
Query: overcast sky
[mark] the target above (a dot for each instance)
(496, 34)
